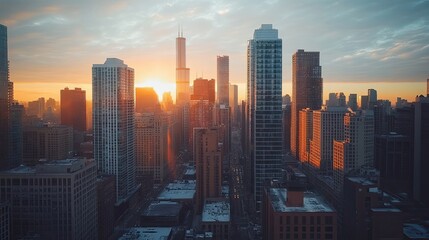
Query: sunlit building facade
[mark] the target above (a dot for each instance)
(307, 90)
(223, 80)
(73, 108)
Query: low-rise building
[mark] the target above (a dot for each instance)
(148, 233)
(216, 218)
(162, 214)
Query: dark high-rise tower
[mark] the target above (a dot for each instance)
(223, 80)
(307, 89)
(4, 98)
(73, 108)
(264, 98)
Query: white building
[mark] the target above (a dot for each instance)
(113, 123)
(55, 200)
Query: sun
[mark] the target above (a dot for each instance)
(159, 86)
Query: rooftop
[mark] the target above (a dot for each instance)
(177, 190)
(53, 167)
(216, 211)
(312, 202)
(147, 233)
(163, 208)
(416, 231)
(361, 180)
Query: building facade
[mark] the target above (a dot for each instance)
(55, 200)
(307, 90)
(264, 98)
(223, 80)
(113, 123)
(73, 108)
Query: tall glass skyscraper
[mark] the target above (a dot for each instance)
(4, 96)
(264, 98)
(113, 123)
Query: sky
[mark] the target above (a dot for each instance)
(363, 44)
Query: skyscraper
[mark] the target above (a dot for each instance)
(4, 97)
(352, 103)
(233, 103)
(372, 98)
(223, 80)
(307, 89)
(264, 96)
(182, 72)
(305, 134)
(364, 102)
(182, 91)
(113, 123)
(73, 108)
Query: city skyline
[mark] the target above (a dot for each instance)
(357, 44)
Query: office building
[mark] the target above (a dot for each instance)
(113, 124)
(421, 151)
(73, 108)
(372, 98)
(223, 80)
(233, 103)
(208, 162)
(305, 134)
(357, 148)
(16, 114)
(352, 103)
(328, 125)
(204, 89)
(55, 200)
(336, 100)
(106, 198)
(46, 142)
(383, 117)
(364, 102)
(264, 99)
(5, 221)
(36, 108)
(147, 100)
(223, 122)
(167, 102)
(4, 98)
(292, 214)
(393, 158)
(151, 146)
(286, 100)
(307, 90)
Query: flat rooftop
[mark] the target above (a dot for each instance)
(361, 180)
(416, 231)
(179, 189)
(163, 208)
(54, 167)
(216, 211)
(147, 233)
(312, 202)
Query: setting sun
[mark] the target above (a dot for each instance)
(160, 87)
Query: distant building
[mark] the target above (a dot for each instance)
(352, 103)
(363, 102)
(307, 89)
(357, 148)
(204, 89)
(336, 100)
(223, 122)
(293, 214)
(4, 98)
(223, 80)
(208, 162)
(233, 103)
(36, 108)
(73, 108)
(216, 218)
(286, 112)
(46, 142)
(16, 115)
(151, 146)
(328, 125)
(69, 206)
(147, 100)
(182, 191)
(383, 117)
(286, 100)
(113, 124)
(372, 98)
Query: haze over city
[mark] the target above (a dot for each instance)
(378, 44)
